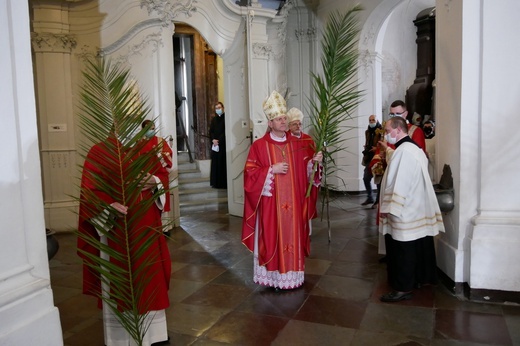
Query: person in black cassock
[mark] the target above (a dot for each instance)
(217, 133)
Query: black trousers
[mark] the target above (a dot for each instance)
(410, 263)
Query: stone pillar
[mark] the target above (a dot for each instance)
(27, 312)
(52, 46)
(475, 134)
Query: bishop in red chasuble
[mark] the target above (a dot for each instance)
(276, 221)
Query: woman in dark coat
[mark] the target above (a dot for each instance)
(217, 133)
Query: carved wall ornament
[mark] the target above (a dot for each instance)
(154, 40)
(299, 33)
(284, 14)
(50, 42)
(366, 61)
(86, 52)
(251, 16)
(311, 33)
(369, 36)
(123, 40)
(168, 10)
(261, 50)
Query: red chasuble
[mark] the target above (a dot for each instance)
(305, 147)
(283, 234)
(101, 164)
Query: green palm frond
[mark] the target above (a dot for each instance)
(336, 90)
(336, 93)
(111, 113)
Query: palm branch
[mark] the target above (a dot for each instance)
(111, 114)
(336, 91)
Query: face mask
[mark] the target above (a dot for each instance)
(428, 132)
(218, 111)
(149, 134)
(372, 125)
(390, 139)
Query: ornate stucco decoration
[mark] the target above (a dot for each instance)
(261, 50)
(366, 62)
(284, 15)
(168, 10)
(86, 52)
(311, 34)
(300, 33)
(123, 40)
(50, 42)
(367, 59)
(369, 36)
(153, 40)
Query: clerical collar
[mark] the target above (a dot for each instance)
(276, 138)
(404, 140)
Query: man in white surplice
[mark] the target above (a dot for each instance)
(409, 214)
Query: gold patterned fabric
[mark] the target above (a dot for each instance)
(294, 114)
(274, 106)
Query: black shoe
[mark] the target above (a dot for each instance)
(165, 342)
(167, 233)
(395, 296)
(368, 201)
(374, 206)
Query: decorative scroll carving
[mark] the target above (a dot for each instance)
(299, 33)
(366, 61)
(154, 40)
(169, 9)
(123, 41)
(50, 42)
(261, 50)
(86, 52)
(284, 14)
(369, 36)
(310, 34)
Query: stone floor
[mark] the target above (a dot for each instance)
(215, 302)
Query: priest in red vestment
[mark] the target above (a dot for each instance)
(162, 164)
(306, 147)
(109, 213)
(275, 225)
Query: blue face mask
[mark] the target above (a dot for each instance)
(149, 134)
(218, 111)
(372, 125)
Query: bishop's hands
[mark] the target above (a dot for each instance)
(280, 168)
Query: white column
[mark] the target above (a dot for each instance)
(476, 109)
(27, 312)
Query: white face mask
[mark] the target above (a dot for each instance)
(372, 125)
(390, 139)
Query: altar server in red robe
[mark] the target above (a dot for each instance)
(275, 225)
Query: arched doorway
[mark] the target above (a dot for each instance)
(196, 89)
